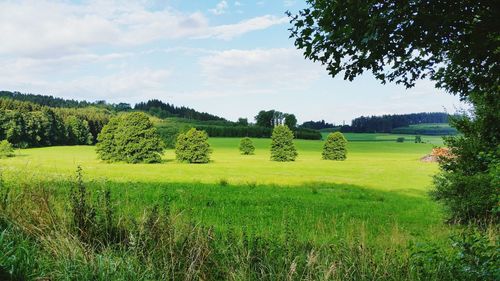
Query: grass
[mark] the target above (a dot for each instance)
(357, 216)
(384, 166)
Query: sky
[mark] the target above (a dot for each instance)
(228, 58)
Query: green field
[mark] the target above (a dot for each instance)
(381, 189)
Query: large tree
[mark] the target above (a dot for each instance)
(131, 138)
(454, 43)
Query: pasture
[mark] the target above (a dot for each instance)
(380, 191)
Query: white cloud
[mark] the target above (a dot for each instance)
(230, 31)
(52, 29)
(258, 71)
(220, 8)
(289, 3)
(125, 85)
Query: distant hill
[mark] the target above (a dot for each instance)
(431, 129)
(154, 107)
(387, 123)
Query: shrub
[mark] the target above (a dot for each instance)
(193, 147)
(282, 147)
(6, 149)
(130, 138)
(474, 256)
(246, 146)
(418, 139)
(400, 139)
(335, 147)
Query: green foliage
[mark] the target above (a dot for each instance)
(335, 147)
(468, 183)
(350, 37)
(25, 124)
(400, 139)
(193, 147)
(418, 139)
(290, 121)
(246, 146)
(78, 131)
(6, 149)
(131, 138)
(458, 50)
(282, 147)
(473, 256)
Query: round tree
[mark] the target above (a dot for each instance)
(246, 146)
(282, 147)
(131, 138)
(193, 147)
(6, 149)
(335, 147)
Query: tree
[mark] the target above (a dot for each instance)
(78, 131)
(455, 44)
(193, 147)
(243, 122)
(290, 120)
(131, 138)
(246, 146)
(6, 149)
(265, 118)
(282, 147)
(335, 147)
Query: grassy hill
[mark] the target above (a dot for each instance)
(433, 129)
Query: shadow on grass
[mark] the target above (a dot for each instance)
(317, 211)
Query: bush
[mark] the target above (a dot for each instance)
(130, 138)
(400, 139)
(193, 147)
(335, 147)
(246, 146)
(418, 139)
(282, 147)
(474, 256)
(6, 149)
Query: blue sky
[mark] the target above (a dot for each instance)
(230, 58)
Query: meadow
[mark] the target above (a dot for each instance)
(377, 200)
(382, 187)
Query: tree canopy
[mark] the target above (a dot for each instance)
(448, 42)
(131, 138)
(282, 146)
(246, 146)
(335, 147)
(193, 147)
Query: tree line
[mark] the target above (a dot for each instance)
(386, 123)
(163, 110)
(26, 124)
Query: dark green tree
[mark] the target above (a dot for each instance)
(282, 147)
(193, 147)
(131, 138)
(335, 147)
(453, 43)
(78, 131)
(290, 121)
(246, 146)
(243, 122)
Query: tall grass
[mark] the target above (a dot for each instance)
(83, 236)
